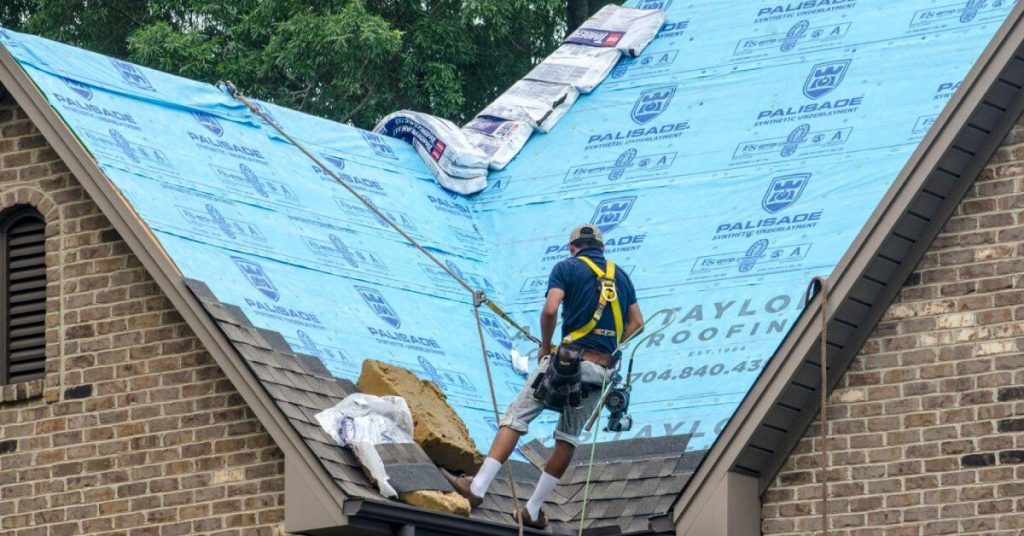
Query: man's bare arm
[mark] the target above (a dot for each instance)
(549, 319)
(635, 323)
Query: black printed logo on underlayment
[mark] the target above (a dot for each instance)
(825, 77)
(378, 145)
(654, 4)
(257, 277)
(796, 136)
(454, 268)
(311, 347)
(124, 145)
(431, 372)
(971, 9)
(496, 329)
(132, 74)
(250, 179)
(793, 36)
(612, 212)
(209, 122)
(79, 88)
(380, 306)
(622, 163)
(784, 191)
(651, 103)
(338, 163)
(754, 253)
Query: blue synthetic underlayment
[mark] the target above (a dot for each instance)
(735, 159)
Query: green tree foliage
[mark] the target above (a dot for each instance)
(349, 60)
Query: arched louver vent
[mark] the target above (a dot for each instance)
(23, 300)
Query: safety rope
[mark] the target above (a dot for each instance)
(383, 217)
(590, 465)
(604, 394)
(479, 298)
(822, 284)
(600, 403)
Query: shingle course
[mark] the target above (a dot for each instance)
(630, 481)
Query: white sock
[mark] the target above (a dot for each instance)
(483, 478)
(545, 486)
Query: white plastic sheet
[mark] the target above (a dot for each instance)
(361, 421)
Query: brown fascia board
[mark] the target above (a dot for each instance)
(145, 246)
(803, 339)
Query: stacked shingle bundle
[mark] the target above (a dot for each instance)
(460, 159)
(541, 99)
(456, 163)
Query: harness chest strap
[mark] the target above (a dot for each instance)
(607, 294)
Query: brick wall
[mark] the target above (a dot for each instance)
(135, 430)
(927, 427)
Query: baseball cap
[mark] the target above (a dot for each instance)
(586, 230)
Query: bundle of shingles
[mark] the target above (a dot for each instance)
(461, 158)
(401, 430)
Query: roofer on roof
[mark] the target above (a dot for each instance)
(586, 286)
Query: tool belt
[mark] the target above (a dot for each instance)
(561, 385)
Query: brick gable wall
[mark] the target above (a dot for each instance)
(135, 430)
(927, 427)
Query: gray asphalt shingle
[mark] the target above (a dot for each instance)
(631, 480)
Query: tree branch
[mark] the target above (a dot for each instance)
(366, 100)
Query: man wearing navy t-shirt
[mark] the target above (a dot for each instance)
(583, 286)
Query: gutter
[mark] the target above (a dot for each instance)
(373, 517)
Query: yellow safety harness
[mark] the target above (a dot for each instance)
(607, 294)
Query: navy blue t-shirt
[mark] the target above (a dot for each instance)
(580, 285)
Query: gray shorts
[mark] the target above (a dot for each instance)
(525, 408)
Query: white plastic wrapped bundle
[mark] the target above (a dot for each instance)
(534, 103)
(556, 115)
(580, 66)
(501, 140)
(626, 29)
(457, 164)
(460, 185)
(361, 421)
(456, 179)
(440, 137)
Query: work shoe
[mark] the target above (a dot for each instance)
(540, 523)
(461, 485)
